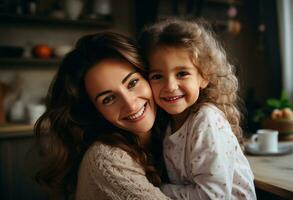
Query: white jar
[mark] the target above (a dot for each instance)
(102, 7)
(17, 111)
(35, 111)
(73, 8)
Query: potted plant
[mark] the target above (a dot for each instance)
(277, 114)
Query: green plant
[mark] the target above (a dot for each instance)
(270, 105)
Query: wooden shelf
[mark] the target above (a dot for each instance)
(16, 130)
(47, 21)
(224, 2)
(31, 62)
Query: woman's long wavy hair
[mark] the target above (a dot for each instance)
(71, 122)
(207, 56)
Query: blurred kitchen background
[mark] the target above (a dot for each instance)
(35, 35)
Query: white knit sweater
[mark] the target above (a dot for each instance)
(110, 173)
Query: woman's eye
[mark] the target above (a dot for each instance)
(182, 74)
(108, 99)
(155, 77)
(132, 83)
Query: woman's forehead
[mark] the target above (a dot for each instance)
(110, 68)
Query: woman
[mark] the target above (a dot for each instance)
(98, 122)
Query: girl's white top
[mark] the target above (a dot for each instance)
(204, 159)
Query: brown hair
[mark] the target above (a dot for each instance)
(71, 123)
(207, 55)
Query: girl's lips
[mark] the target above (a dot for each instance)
(172, 99)
(138, 115)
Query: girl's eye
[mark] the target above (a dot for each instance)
(132, 83)
(182, 74)
(108, 99)
(155, 77)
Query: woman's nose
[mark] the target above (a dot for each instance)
(129, 100)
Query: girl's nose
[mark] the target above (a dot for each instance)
(170, 85)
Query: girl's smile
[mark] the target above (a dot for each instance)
(173, 99)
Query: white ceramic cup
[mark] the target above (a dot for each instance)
(267, 140)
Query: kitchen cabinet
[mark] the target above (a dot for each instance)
(16, 168)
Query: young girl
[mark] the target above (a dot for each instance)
(194, 83)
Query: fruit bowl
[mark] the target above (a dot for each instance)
(281, 120)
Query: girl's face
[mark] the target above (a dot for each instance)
(174, 79)
(121, 95)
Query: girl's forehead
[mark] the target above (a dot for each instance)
(162, 52)
(167, 49)
(170, 59)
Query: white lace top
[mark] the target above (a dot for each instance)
(204, 160)
(110, 173)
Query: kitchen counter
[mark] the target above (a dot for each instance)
(274, 174)
(16, 130)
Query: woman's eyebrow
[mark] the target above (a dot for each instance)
(102, 93)
(128, 76)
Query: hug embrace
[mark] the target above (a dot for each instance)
(152, 119)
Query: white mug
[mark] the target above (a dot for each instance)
(267, 140)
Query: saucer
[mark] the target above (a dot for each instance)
(252, 149)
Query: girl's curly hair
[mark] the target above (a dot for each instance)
(208, 57)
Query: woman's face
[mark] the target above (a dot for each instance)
(121, 95)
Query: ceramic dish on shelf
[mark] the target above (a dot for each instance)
(252, 149)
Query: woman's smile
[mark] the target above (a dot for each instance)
(138, 115)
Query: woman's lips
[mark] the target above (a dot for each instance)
(138, 115)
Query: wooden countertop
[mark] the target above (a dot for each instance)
(274, 174)
(13, 130)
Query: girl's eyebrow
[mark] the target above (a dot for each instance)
(152, 71)
(183, 67)
(109, 91)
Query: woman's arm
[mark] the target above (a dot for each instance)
(113, 174)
